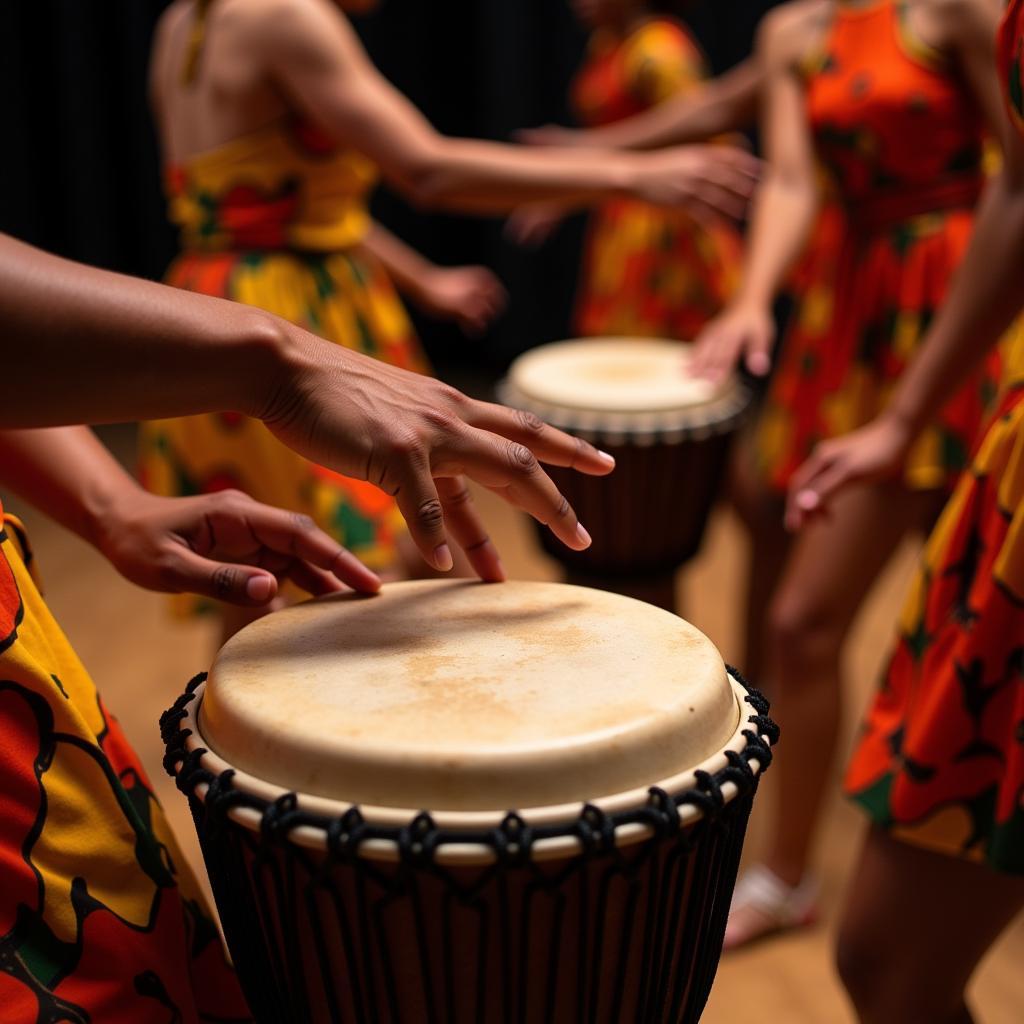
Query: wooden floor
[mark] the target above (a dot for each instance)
(141, 661)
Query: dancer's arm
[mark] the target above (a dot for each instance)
(470, 295)
(723, 104)
(313, 54)
(783, 208)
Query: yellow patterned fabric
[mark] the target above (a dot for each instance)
(274, 220)
(648, 270)
(100, 919)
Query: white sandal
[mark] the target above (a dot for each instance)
(763, 904)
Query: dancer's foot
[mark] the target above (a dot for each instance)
(763, 904)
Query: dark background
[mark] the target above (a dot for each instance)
(80, 172)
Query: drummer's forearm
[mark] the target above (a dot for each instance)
(83, 345)
(66, 473)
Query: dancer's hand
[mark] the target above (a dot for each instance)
(875, 452)
(534, 223)
(416, 438)
(742, 332)
(471, 296)
(709, 180)
(225, 546)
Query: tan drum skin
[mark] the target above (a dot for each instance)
(461, 696)
(616, 388)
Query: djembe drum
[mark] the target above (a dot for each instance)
(669, 432)
(460, 803)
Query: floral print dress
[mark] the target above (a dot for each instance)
(940, 762)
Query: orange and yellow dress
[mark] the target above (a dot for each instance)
(100, 919)
(647, 270)
(941, 759)
(275, 219)
(901, 143)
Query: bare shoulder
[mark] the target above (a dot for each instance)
(787, 33)
(305, 24)
(170, 28)
(955, 20)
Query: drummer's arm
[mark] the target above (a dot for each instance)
(783, 209)
(171, 544)
(727, 103)
(81, 345)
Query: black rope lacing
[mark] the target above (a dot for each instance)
(511, 841)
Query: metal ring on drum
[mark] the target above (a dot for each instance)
(464, 802)
(670, 434)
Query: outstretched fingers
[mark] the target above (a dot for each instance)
(545, 442)
(510, 469)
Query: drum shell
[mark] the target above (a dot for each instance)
(625, 934)
(648, 517)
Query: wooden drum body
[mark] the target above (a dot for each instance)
(669, 433)
(351, 765)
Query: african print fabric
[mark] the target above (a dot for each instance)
(941, 758)
(274, 220)
(647, 270)
(100, 920)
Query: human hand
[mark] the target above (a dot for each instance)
(471, 296)
(708, 180)
(875, 452)
(417, 438)
(532, 224)
(224, 545)
(743, 332)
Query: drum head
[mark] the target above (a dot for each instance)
(614, 375)
(462, 696)
(606, 386)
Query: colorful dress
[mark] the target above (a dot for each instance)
(275, 219)
(647, 270)
(100, 920)
(901, 142)
(941, 760)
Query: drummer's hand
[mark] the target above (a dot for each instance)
(875, 452)
(744, 332)
(708, 180)
(416, 439)
(471, 296)
(532, 224)
(224, 545)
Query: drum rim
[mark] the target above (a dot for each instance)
(719, 416)
(468, 837)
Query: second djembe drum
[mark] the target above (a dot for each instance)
(669, 432)
(461, 803)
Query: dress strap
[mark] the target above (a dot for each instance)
(196, 38)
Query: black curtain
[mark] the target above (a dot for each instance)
(80, 174)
